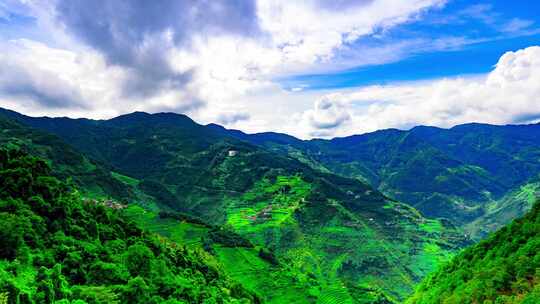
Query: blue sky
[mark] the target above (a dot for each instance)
(472, 59)
(310, 68)
(483, 30)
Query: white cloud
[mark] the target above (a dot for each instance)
(329, 113)
(224, 73)
(232, 77)
(231, 118)
(505, 95)
(516, 25)
(304, 33)
(40, 80)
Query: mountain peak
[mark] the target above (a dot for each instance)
(144, 117)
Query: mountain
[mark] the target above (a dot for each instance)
(504, 268)
(502, 211)
(338, 237)
(457, 173)
(280, 286)
(92, 178)
(60, 248)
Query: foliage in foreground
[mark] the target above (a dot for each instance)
(56, 248)
(505, 268)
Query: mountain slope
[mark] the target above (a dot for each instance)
(90, 177)
(513, 205)
(452, 173)
(338, 232)
(58, 248)
(280, 285)
(505, 268)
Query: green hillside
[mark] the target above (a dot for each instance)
(253, 267)
(93, 179)
(452, 173)
(333, 233)
(513, 205)
(504, 268)
(288, 221)
(59, 248)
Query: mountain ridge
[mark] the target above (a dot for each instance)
(274, 200)
(463, 177)
(13, 113)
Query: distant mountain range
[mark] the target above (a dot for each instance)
(461, 174)
(358, 219)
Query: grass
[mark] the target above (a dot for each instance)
(315, 260)
(336, 294)
(189, 234)
(431, 226)
(274, 284)
(126, 179)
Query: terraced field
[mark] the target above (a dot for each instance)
(267, 207)
(185, 233)
(275, 283)
(347, 250)
(335, 295)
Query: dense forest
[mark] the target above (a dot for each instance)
(269, 152)
(159, 209)
(470, 174)
(59, 248)
(504, 268)
(310, 220)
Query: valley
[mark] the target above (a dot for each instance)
(283, 218)
(269, 152)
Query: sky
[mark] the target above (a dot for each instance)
(312, 68)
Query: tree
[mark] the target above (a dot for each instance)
(11, 235)
(136, 291)
(139, 260)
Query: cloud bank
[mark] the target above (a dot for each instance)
(140, 35)
(197, 57)
(508, 94)
(222, 61)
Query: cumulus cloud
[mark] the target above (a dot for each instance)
(281, 35)
(19, 80)
(30, 74)
(37, 79)
(229, 118)
(187, 56)
(329, 113)
(140, 35)
(508, 94)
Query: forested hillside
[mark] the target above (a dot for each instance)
(59, 248)
(141, 160)
(335, 234)
(288, 223)
(461, 174)
(92, 178)
(504, 268)
(502, 211)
